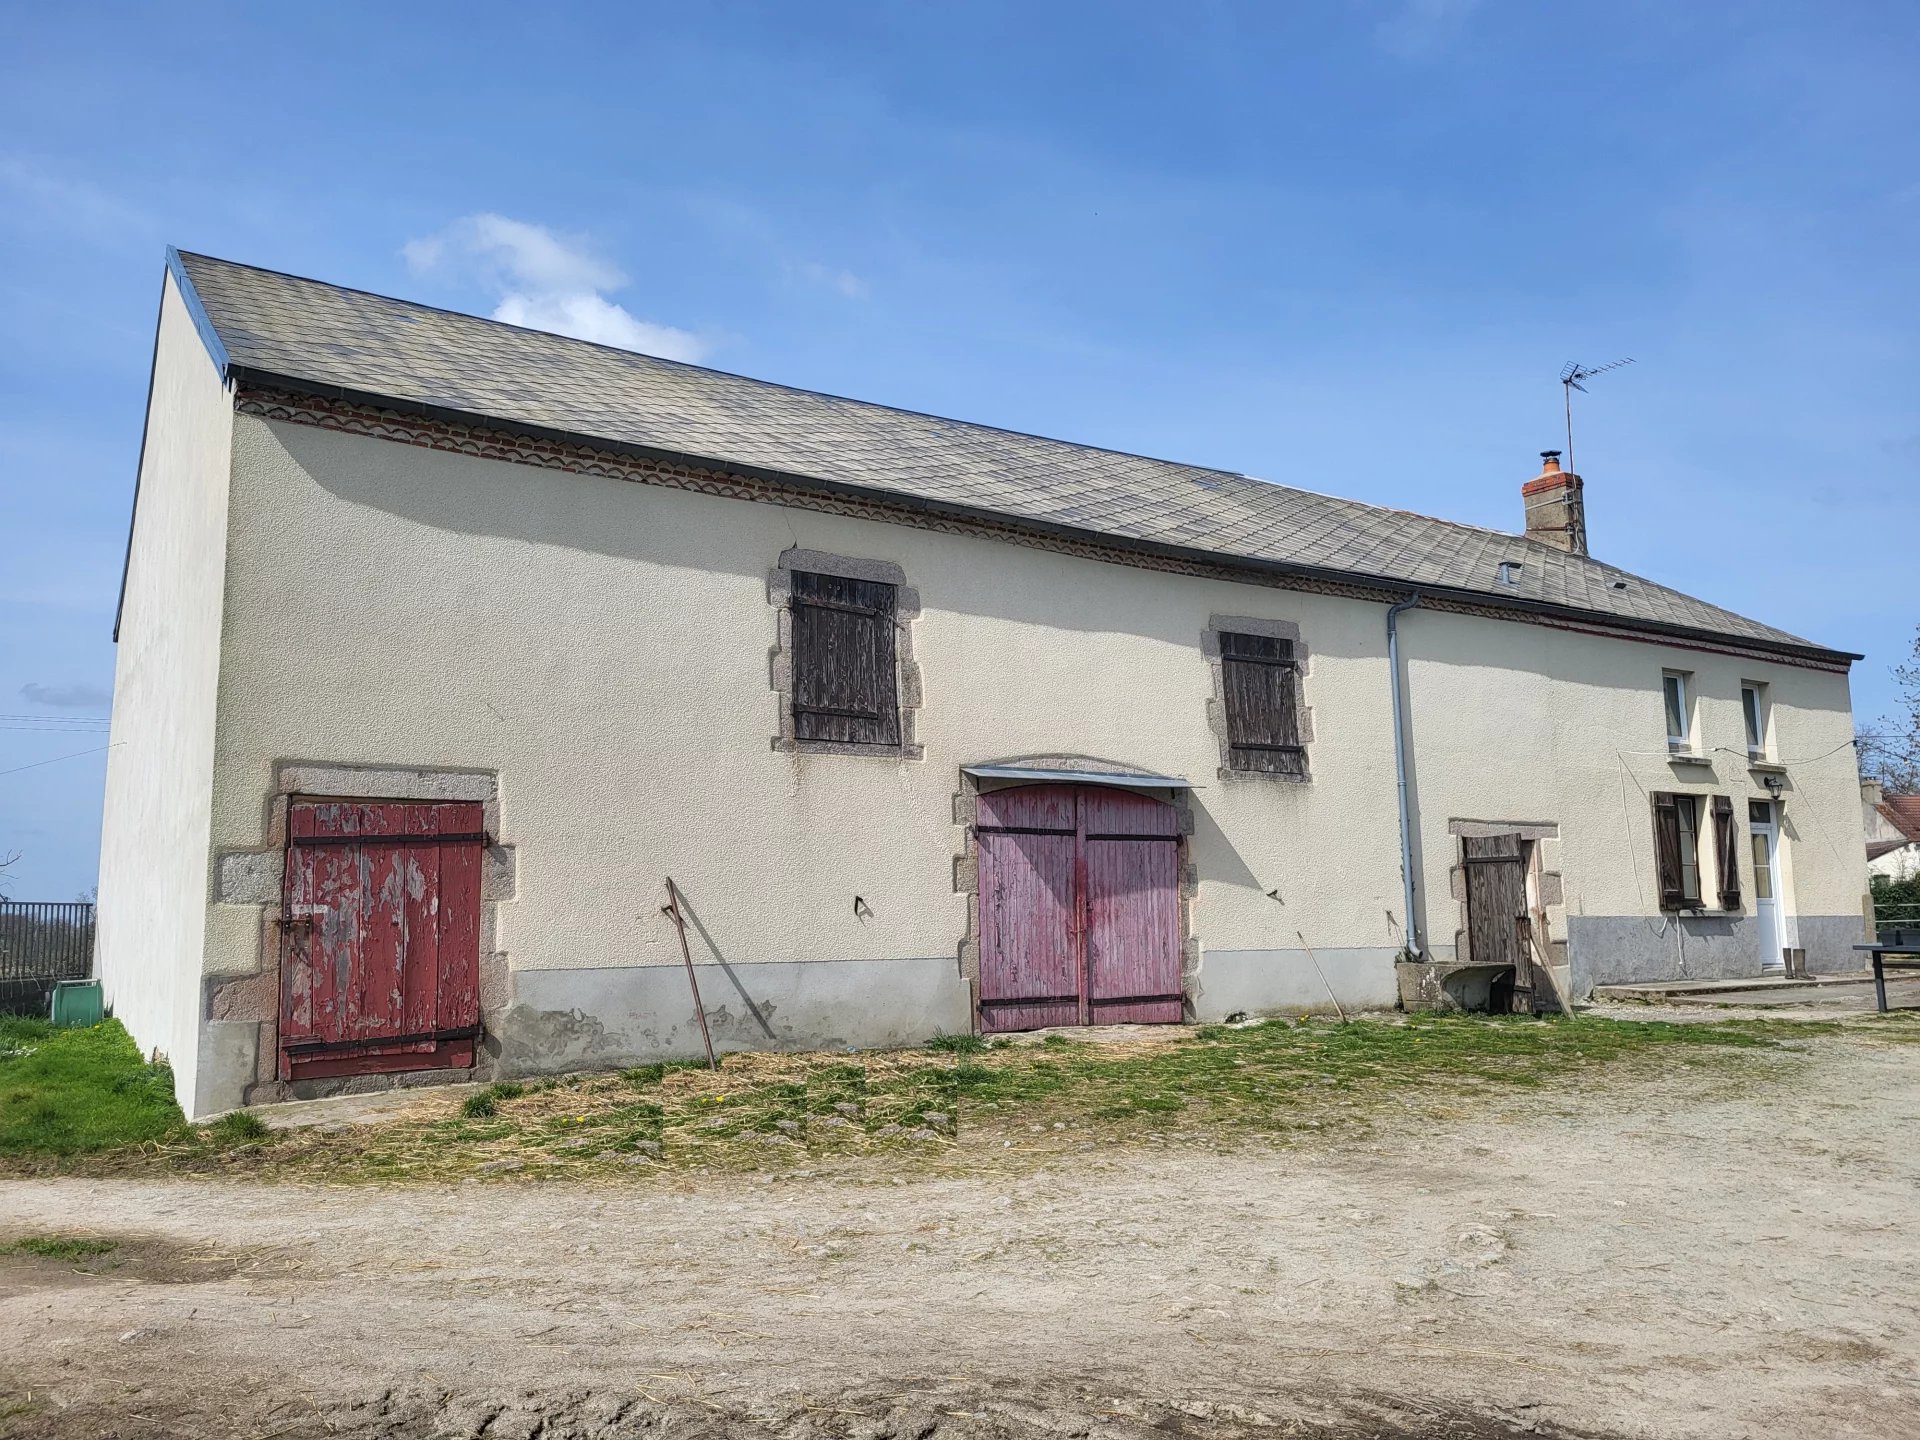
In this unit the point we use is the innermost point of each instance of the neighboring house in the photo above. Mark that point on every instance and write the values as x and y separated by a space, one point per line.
1893 832
443 643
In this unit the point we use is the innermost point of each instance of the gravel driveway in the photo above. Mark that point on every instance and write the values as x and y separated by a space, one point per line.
1688 1255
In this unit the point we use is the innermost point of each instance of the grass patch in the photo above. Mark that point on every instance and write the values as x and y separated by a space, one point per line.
1210 1084
962 1044
1271 1079
238 1127
59 1247
485 1104
72 1091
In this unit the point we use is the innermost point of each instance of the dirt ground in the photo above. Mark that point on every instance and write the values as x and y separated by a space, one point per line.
1702 1254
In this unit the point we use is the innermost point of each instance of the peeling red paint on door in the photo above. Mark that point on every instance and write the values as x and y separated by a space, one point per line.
1079 908
382 917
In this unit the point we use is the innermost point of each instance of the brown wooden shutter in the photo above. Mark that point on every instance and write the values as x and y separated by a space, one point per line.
843 662
1666 850
1726 852
1261 681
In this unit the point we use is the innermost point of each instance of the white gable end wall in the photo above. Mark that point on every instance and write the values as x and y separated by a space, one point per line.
159 788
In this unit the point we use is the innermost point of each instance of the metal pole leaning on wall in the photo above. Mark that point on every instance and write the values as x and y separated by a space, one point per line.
672 907
1323 977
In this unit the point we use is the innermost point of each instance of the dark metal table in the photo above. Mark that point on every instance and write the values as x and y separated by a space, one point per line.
1900 948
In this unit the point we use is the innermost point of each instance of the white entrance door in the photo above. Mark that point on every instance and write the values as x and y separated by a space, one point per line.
1764 832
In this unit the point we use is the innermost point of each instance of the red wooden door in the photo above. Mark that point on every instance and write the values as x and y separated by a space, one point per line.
382 918
1079 908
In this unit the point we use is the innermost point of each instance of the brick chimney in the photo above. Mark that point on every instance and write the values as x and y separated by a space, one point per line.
1556 513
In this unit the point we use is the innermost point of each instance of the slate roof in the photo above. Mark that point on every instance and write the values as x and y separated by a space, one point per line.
316 336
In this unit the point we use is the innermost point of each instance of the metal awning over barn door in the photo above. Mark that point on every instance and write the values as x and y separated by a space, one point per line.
1079 908
1036 775
381 915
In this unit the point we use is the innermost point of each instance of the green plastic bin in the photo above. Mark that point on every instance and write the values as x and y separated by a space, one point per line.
77 1002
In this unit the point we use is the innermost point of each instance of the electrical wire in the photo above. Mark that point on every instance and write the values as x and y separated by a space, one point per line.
1633 860
57 758
1746 754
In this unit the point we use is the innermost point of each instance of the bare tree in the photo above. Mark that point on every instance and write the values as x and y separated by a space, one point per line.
7 861
1890 751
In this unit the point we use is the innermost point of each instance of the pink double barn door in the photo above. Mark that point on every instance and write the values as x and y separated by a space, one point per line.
1079 908
382 918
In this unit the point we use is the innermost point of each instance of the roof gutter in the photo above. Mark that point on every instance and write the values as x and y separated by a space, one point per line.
1415 948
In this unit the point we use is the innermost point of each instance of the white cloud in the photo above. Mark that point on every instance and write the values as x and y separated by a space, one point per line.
547 282
77 696
844 282
1421 29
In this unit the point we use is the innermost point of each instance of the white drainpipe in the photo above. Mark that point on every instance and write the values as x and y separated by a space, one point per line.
1415 948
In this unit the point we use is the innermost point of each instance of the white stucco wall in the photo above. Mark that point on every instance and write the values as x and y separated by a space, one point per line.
159 788
604 648
1526 723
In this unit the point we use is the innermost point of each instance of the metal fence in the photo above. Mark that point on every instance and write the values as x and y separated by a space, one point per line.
42 942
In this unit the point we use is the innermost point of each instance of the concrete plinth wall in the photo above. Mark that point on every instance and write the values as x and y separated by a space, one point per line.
594 1019
1291 981
1630 949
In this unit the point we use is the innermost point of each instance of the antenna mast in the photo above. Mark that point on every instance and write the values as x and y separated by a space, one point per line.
1571 374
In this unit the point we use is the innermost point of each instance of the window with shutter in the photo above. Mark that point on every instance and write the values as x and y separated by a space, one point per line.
1260 678
1676 850
1726 853
844 688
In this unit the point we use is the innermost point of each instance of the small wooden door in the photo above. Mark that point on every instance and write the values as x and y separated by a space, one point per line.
1079 908
381 913
1498 927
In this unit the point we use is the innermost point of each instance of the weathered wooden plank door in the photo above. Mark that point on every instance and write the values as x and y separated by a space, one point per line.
1079 908
1497 921
382 920
1131 846
1029 908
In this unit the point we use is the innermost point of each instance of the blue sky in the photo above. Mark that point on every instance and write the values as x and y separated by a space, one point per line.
1344 245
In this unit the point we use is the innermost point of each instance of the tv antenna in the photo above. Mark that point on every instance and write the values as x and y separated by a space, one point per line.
1571 374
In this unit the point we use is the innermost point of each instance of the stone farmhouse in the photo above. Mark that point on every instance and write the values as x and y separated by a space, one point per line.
444 643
